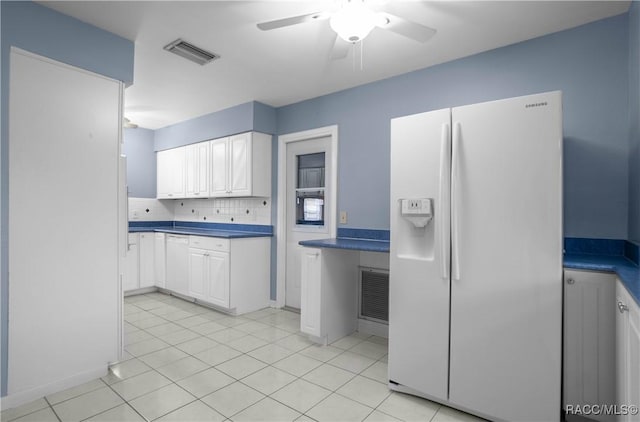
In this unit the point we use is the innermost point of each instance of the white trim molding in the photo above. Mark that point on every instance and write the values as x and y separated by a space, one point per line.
281 232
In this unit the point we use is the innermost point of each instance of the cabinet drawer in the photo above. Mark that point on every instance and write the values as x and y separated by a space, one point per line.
209 243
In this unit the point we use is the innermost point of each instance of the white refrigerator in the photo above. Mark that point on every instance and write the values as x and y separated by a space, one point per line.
475 300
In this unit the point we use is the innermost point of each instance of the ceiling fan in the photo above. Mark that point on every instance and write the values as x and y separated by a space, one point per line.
352 21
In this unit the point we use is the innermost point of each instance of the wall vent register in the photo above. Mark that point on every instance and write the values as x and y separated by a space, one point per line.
374 294
191 52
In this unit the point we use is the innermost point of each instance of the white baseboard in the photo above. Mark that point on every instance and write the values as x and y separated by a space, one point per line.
18 399
140 291
373 328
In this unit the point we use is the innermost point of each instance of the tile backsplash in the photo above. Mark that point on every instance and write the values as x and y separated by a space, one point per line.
150 209
227 210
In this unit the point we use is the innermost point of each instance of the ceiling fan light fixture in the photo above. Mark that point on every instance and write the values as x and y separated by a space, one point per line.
353 21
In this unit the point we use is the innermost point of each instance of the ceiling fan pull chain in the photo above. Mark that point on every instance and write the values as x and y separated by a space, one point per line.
353 57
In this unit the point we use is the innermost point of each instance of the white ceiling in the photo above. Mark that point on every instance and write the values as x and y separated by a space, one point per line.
287 65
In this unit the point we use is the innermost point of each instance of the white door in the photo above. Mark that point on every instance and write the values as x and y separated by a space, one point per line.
419 256
506 279
307 204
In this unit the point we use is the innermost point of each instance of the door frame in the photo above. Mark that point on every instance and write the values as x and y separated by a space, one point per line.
281 233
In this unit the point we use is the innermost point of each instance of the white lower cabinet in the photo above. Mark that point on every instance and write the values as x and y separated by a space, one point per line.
627 352
311 292
146 259
130 275
218 271
329 289
177 264
139 271
232 274
589 340
159 261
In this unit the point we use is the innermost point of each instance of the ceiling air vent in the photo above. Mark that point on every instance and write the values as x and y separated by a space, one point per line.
191 52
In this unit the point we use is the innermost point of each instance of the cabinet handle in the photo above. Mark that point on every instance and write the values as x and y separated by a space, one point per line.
169 194
196 193
622 307
570 281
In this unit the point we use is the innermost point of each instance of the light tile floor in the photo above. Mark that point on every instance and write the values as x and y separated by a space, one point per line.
185 362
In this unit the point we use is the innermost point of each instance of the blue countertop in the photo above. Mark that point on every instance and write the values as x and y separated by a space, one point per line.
227 231
626 270
350 244
606 255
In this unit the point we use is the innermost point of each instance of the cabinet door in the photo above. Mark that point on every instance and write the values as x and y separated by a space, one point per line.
589 339
240 164
219 170
627 351
160 260
218 267
177 264
177 172
622 341
198 272
146 245
130 276
163 174
311 292
197 170
170 173
633 357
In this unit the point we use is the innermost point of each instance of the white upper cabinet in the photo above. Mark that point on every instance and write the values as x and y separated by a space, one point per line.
241 165
218 185
238 165
170 173
197 170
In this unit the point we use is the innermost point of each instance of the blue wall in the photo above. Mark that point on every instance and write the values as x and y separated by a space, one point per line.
141 162
634 122
252 116
40 30
588 63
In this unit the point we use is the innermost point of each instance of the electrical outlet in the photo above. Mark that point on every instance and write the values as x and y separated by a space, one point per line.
343 217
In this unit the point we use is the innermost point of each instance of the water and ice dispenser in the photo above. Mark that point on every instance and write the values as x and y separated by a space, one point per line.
415 228
419 211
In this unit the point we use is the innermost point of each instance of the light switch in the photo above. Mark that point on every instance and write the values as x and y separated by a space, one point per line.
343 217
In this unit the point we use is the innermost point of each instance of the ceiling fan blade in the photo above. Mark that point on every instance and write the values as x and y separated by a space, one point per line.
406 28
340 48
281 23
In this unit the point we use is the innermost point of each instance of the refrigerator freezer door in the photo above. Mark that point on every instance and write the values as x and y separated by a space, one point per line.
506 307
419 283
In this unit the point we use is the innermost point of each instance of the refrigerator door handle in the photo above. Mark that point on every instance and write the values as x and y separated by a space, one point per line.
455 187
445 172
